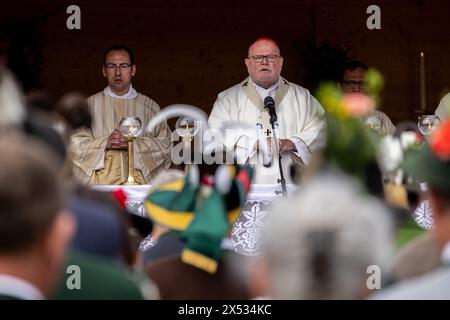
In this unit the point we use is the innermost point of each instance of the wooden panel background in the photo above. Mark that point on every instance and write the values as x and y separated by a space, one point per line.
188 51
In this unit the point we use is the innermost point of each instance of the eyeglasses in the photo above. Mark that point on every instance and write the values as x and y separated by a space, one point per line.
269 58
122 66
352 83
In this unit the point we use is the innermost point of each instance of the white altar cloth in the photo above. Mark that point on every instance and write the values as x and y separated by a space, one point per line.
246 232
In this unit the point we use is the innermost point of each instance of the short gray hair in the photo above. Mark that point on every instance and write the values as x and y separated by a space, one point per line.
320 242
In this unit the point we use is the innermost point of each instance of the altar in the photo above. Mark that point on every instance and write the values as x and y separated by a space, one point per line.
246 232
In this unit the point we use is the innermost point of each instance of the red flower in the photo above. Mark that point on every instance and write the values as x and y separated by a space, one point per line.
440 141
121 197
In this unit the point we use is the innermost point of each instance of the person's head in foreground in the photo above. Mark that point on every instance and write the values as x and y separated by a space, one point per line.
325 242
431 164
34 229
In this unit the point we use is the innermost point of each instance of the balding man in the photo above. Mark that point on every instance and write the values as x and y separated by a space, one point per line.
300 124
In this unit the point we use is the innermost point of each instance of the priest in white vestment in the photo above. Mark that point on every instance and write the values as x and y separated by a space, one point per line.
300 124
443 109
100 155
352 81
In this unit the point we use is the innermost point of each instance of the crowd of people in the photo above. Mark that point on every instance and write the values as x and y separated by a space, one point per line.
334 238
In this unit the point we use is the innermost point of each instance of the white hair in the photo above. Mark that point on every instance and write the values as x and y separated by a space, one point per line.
12 110
320 242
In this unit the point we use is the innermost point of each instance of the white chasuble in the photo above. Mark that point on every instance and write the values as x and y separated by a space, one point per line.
300 119
92 164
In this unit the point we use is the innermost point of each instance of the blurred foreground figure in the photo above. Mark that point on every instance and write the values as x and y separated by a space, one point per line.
34 230
16 117
431 164
321 243
195 257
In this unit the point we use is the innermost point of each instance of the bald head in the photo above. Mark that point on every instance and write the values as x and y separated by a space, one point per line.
266 42
264 62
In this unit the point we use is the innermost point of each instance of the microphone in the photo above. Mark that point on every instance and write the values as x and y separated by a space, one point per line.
269 105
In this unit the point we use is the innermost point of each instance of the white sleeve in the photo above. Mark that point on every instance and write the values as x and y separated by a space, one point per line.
242 141
302 151
443 109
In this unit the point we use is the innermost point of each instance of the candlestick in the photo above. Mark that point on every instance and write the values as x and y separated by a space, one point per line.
422 83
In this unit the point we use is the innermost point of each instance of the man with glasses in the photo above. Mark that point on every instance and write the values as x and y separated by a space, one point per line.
100 155
299 126
352 81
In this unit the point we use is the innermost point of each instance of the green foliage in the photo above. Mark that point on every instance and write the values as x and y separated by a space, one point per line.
329 96
350 145
374 83
350 142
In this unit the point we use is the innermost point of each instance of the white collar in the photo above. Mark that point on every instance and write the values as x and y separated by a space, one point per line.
131 94
263 93
19 288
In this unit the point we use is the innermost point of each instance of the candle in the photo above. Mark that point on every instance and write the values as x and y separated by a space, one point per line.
422 83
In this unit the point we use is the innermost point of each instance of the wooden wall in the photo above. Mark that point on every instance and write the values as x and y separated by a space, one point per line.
188 51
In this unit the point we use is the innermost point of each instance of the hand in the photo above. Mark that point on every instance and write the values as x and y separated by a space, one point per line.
117 141
287 145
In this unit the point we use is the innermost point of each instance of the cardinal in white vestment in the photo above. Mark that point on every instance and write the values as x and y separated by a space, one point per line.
300 126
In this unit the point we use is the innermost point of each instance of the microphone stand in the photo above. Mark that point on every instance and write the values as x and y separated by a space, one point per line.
273 119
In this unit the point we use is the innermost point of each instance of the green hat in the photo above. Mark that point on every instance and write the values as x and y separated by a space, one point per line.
205 211
172 204
431 163
204 235
218 208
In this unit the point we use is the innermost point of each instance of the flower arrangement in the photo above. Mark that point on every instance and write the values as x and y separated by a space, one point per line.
350 142
440 141
392 150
